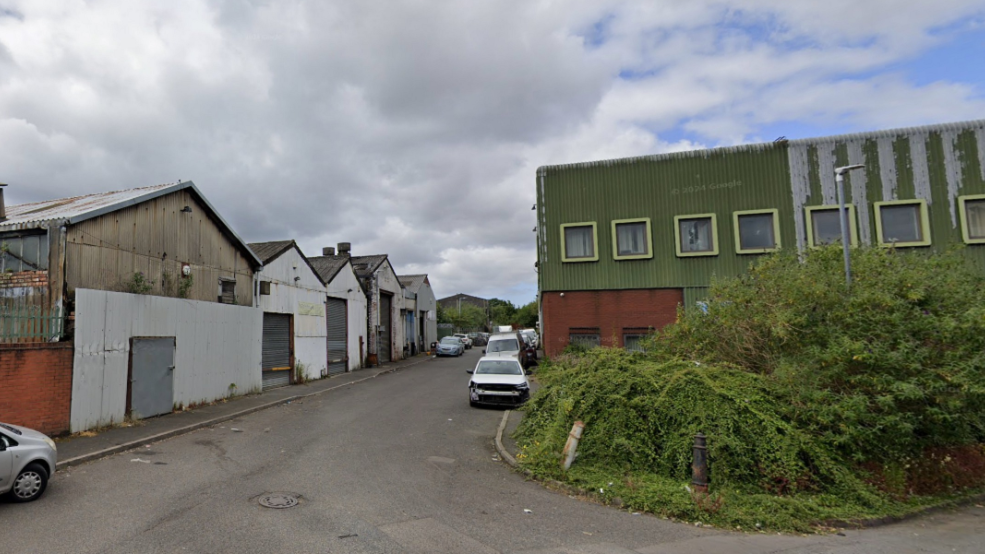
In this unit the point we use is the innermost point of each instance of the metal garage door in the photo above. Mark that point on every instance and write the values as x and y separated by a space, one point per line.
384 345
337 341
276 350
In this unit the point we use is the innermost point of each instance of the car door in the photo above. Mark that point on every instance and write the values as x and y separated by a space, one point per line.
6 463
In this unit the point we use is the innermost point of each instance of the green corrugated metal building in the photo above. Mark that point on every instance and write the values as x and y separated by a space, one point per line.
611 232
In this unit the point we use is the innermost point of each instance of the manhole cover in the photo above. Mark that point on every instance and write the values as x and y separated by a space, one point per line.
279 500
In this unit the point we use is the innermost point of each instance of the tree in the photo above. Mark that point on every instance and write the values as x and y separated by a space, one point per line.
502 312
442 315
528 315
467 318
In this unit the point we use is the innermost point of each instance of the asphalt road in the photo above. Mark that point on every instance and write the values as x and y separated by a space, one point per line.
395 464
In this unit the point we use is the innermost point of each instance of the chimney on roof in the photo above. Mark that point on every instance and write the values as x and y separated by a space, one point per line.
344 248
3 210
328 251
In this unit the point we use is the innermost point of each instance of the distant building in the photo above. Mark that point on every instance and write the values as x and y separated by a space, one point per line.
421 319
457 301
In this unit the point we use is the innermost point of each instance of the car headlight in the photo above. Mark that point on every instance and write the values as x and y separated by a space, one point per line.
50 443
523 386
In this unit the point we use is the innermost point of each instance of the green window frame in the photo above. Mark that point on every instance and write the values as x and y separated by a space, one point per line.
965 216
615 240
714 235
737 217
924 219
852 222
595 243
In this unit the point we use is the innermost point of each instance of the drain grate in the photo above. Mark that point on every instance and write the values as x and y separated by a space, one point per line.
279 500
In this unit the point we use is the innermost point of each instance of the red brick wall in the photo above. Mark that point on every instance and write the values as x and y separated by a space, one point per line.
24 279
609 310
36 386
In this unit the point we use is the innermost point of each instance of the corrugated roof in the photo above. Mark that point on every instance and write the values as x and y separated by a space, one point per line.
267 251
412 282
73 207
708 152
328 266
366 265
77 209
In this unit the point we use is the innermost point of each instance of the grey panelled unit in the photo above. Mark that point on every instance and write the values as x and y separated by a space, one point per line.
152 377
335 311
276 367
385 331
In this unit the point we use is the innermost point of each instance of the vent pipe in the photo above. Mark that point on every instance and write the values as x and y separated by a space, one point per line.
328 251
344 248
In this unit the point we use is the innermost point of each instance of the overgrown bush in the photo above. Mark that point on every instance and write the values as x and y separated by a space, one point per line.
817 401
882 372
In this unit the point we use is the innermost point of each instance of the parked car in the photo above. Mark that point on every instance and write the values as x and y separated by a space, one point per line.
529 354
531 336
505 345
450 346
27 461
480 339
465 340
499 382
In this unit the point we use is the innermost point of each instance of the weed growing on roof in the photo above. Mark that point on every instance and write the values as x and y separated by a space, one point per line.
818 403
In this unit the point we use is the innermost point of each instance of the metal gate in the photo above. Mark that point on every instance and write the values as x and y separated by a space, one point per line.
152 377
383 348
276 350
335 311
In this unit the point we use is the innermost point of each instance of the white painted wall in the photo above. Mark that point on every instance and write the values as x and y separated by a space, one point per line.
345 285
286 297
216 346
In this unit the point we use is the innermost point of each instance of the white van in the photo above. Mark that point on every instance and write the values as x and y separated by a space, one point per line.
505 345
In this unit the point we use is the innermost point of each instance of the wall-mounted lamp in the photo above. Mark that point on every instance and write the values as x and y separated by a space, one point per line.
350 290
296 279
562 295
186 210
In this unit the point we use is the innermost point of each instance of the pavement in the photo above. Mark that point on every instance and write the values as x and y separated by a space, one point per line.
86 447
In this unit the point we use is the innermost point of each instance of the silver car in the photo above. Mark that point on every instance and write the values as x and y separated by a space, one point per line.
27 461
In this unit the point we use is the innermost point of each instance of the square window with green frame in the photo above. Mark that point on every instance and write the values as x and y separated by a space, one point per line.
631 239
972 211
696 235
756 231
902 223
579 242
824 225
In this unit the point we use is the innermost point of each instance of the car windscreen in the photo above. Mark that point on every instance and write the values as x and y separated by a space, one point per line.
505 345
499 367
451 340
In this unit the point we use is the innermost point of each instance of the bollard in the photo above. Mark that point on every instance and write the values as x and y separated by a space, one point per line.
699 466
571 447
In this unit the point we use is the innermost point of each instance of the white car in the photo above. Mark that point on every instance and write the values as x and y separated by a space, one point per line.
498 382
465 340
27 461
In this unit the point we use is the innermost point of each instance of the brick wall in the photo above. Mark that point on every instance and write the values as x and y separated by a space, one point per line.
611 311
24 280
36 386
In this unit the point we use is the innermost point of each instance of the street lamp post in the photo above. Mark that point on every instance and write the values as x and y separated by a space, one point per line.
843 217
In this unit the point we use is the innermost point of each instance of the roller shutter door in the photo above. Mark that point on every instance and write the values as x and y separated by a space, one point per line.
276 350
337 341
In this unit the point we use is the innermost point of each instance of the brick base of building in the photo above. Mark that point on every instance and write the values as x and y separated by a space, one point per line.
612 313
36 386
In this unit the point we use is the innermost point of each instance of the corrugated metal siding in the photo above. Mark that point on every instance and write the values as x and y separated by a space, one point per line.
155 238
934 163
216 346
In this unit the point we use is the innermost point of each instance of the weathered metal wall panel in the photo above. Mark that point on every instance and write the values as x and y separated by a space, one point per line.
155 238
305 298
217 350
345 285
937 163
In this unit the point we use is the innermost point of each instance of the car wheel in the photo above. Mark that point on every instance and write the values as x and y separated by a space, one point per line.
473 404
29 483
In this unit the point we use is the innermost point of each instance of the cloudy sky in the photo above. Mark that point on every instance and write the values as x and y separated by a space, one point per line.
415 127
